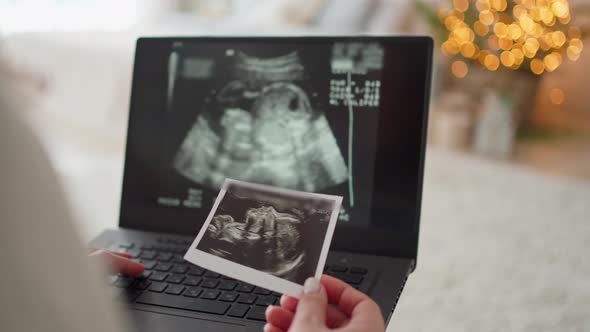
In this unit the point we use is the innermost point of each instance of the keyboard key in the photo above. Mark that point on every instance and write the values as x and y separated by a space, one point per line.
338 268
176 250
148 264
164 257
337 275
228 297
209 283
163 267
134 253
228 285
141 284
196 271
245 288
160 248
145 274
256 313
175 278
125 244
192 281
277 299
179 250
247 298
146 247
147 255
262 291
175 289
158 287
129 295
265 300
178 241
178 258
352 279
159 276
166 248
192 292
210 294
211 274
358 270
180 269
238 310
186 303
123 282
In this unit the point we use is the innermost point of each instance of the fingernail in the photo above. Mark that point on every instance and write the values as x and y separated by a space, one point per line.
311 286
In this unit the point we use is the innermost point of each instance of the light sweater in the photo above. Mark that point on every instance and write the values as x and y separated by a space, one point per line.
47 282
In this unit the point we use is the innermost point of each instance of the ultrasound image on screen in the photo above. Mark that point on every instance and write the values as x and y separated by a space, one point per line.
266 131
300 117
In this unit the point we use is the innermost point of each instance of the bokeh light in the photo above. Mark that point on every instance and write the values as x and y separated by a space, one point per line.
556 96
516 34
459 69
537 66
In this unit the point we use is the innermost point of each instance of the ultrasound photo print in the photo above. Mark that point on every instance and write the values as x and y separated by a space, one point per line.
277 233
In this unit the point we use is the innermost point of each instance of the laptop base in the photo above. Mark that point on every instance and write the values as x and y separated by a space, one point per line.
382 278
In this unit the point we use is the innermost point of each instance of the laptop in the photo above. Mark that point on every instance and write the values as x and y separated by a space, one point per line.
336 115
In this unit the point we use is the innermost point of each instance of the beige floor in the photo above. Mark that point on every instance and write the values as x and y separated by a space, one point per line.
565 156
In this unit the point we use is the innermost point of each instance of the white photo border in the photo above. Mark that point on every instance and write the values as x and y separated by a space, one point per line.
248 274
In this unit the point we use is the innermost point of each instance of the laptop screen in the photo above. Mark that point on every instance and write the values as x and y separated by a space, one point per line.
332 116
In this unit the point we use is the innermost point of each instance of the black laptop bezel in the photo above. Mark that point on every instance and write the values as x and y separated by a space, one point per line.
352 239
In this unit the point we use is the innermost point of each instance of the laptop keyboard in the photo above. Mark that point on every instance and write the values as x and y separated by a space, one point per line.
170 281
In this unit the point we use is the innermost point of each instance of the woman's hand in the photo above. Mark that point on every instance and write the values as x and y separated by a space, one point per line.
325 305
118 262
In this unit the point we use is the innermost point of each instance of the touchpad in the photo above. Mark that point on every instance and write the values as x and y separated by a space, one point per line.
147 321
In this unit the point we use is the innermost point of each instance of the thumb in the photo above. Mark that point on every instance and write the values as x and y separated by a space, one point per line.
310 314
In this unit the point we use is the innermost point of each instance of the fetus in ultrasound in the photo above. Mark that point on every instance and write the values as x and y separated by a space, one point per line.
262 128
266 239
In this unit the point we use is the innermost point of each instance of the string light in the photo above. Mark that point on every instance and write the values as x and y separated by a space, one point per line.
459 69
515 34
556 96
537 66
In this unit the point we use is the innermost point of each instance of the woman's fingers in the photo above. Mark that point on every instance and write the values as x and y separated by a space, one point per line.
289 302
334 317
312 307
361 309
271 328
367 316
122 254
94 251
341 294
119 263
279 317
348 303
